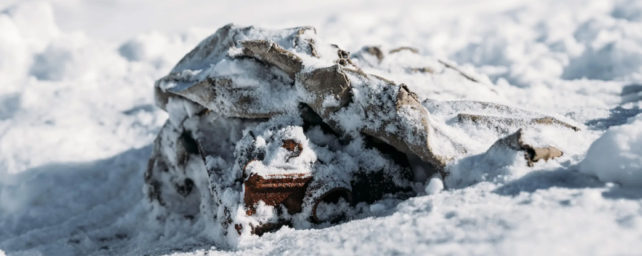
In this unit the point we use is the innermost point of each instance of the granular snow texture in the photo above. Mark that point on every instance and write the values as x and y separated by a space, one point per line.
77 119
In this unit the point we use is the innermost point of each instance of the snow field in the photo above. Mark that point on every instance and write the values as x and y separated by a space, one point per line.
77 119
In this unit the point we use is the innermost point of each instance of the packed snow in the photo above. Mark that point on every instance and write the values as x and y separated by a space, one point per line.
77 122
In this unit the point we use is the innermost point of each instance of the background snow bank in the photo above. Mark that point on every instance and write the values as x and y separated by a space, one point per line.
617 155
25 28
77 88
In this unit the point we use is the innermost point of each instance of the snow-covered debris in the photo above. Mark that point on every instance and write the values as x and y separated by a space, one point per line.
313 125
617 155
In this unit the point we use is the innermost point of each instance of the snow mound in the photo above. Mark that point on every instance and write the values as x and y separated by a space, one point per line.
617 155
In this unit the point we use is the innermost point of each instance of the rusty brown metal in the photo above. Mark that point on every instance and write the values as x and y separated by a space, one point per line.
287 190
294 147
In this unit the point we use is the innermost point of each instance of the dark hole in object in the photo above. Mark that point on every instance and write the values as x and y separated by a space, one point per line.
370 187
189 143
186 188
310 119
530 153
269 227
332 197
309 116
389 151
260 155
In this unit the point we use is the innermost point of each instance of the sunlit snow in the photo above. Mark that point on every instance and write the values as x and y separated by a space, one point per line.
77 119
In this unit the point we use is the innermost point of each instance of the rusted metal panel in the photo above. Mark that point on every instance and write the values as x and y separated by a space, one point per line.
287 190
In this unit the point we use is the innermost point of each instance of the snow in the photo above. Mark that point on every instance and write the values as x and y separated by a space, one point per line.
77 119
617 155
278 160
435 185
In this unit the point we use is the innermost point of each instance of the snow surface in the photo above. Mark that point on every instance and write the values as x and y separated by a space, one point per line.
617 155
77 120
